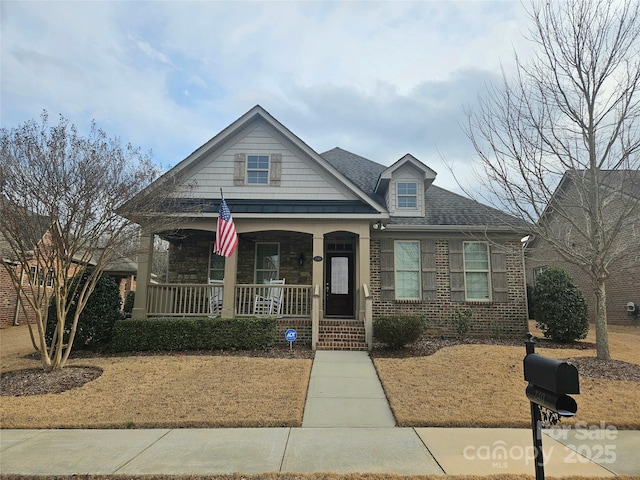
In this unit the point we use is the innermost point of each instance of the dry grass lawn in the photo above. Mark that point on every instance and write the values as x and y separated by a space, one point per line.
483 386
466 385
163 391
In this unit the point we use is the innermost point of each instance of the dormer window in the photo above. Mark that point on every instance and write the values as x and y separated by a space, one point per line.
258 169
407 195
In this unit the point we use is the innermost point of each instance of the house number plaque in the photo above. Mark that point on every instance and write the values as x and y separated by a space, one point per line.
317 258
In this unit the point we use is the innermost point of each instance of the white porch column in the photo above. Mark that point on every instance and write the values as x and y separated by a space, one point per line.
363 277
317 279
229 292
145 258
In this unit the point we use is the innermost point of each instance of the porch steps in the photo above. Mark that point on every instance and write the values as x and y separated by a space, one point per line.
341 335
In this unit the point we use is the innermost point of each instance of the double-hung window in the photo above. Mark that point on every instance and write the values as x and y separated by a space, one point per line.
216 266
407 195
267 262
477 278
407 269
258 169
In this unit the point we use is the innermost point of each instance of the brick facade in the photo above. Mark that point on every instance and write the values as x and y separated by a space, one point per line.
11 312
489 319
188 264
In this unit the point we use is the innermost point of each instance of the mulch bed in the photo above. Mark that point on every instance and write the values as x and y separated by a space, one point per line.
22 383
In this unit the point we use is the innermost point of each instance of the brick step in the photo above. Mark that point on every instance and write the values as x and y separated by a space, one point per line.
352 346
341 335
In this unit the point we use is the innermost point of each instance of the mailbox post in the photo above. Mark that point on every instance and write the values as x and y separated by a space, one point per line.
550 382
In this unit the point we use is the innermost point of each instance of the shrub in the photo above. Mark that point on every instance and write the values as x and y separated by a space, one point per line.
462 317
558 307
96 321
396 332
155 334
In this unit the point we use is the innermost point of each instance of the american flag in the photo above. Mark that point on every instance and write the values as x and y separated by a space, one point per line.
226 236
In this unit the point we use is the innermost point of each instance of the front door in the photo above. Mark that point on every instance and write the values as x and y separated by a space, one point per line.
339 286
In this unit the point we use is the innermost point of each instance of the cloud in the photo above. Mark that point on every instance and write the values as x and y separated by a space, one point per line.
378 78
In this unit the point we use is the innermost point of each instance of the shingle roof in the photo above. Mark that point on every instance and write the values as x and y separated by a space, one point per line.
443 208
361 171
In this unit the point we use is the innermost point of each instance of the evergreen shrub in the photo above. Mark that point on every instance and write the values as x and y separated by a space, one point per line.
96 321
559 307
396 332
158 334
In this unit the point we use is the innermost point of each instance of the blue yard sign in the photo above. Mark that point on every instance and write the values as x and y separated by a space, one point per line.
291 336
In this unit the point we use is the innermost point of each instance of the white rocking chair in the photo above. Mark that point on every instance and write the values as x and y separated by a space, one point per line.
271 303
215 298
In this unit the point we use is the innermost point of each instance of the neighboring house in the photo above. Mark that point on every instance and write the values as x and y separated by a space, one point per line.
121 269
620 192
351 239
11 312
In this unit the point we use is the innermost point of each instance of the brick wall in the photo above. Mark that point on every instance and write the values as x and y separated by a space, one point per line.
8 303
301 326
489 319
189 263
7 300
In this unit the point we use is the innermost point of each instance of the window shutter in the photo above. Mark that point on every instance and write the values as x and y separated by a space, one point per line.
275 169
387 276
428 252
239 168
499 274
456 270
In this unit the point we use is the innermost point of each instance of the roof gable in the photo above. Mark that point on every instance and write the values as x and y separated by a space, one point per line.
427 174
305 173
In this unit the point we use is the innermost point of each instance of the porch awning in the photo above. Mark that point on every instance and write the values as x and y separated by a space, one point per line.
301 207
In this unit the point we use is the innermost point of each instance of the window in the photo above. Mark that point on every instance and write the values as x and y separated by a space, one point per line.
258 169
476 271
38 277
407 270
407 194
267 262
537 271
216 265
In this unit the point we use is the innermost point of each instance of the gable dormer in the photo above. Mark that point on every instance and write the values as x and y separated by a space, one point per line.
403 185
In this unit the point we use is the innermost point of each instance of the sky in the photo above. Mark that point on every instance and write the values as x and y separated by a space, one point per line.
379 79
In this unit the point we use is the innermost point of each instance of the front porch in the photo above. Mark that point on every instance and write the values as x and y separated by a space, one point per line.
297 308
317 278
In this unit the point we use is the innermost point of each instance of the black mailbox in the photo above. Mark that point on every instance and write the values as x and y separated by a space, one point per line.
550 374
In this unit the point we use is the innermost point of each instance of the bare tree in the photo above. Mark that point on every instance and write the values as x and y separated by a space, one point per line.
59 199
558 143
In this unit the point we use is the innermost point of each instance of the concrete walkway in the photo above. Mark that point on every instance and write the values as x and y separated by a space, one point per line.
347 428
344 391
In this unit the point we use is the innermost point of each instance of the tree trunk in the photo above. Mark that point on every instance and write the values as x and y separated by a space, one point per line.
602 337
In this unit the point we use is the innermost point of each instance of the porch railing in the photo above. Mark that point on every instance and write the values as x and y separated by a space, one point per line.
197 300
289 300
184 300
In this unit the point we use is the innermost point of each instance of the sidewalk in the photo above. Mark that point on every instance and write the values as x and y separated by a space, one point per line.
347 428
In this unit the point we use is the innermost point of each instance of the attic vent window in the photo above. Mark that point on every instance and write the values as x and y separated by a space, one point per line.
257 169
407 195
